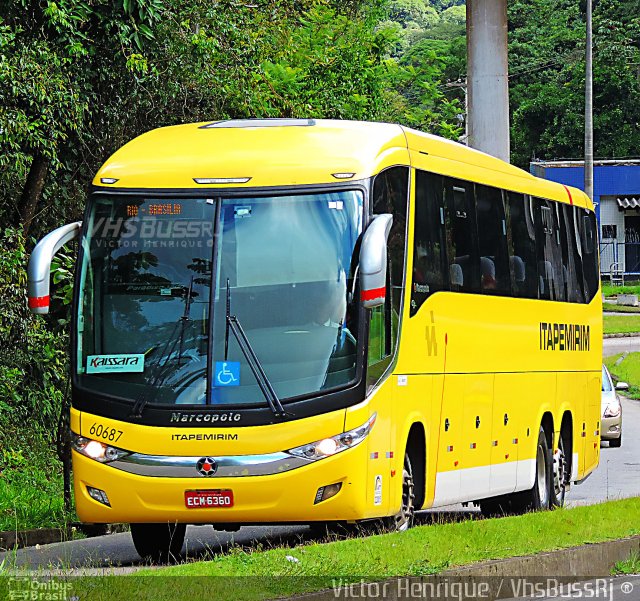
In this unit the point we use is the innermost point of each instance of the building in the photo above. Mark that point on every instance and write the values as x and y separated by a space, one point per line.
616 195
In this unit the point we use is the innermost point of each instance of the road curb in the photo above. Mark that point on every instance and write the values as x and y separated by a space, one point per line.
11 539
623 335
574 564
30 538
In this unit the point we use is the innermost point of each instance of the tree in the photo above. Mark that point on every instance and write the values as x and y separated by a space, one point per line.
39 107
546 56
108 71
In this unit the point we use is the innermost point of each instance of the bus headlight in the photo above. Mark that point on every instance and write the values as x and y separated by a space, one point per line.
335 444
94 449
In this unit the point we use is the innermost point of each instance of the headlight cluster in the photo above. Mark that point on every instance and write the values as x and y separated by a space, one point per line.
335 444
612 410
97 450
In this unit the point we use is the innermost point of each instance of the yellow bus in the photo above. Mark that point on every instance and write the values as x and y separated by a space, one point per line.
313 322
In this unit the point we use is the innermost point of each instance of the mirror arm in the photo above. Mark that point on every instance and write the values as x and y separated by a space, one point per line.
39 269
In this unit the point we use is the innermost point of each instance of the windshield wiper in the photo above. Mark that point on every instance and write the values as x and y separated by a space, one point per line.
158 376
233 324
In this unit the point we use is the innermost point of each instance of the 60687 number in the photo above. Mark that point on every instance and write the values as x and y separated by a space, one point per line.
100 431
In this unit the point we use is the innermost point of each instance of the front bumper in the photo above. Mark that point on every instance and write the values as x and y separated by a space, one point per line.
283 497
611 428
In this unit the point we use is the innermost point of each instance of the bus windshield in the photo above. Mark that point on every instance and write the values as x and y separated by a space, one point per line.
156 286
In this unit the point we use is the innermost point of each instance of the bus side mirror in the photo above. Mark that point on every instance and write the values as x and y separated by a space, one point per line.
373 262
39 268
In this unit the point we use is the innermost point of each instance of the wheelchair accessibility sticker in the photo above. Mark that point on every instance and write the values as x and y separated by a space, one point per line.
227 373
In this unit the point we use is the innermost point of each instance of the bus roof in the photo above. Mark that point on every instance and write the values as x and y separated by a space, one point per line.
294 152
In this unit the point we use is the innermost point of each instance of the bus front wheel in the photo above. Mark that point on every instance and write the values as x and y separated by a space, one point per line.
403 520
159 543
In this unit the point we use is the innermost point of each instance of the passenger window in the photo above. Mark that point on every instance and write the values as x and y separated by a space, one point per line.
551 272
460 223
495 276
571 256
430 268
521 243
589 254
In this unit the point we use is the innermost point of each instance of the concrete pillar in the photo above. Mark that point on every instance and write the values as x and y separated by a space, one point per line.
487 77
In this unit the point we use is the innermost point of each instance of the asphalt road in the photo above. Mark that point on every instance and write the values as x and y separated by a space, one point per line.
618 474
613 346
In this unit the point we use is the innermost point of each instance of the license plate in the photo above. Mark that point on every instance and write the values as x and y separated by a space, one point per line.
208 499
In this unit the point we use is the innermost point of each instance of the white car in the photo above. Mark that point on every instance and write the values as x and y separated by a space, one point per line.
611 410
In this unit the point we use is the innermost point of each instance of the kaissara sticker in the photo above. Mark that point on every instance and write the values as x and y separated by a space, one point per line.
103 364
377 491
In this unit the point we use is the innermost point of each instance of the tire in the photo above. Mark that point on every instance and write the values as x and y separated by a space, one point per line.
539 497
616 442
559 476
403 520
159 543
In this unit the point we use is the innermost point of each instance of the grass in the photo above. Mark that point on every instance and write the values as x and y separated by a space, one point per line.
30 483
627 370
425 550
609 290
621 324
628 566
619 308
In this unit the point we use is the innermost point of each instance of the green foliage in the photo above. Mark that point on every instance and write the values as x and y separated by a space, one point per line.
631 565
39 102
33 358
30 482
422 103
442 5
546 52
455 14
413 13
626 368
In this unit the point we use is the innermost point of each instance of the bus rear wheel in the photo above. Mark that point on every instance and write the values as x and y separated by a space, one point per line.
560 476
159 543
539 497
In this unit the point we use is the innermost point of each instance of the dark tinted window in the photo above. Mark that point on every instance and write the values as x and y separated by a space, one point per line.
475 238
522 245
430 267
495 277
571 255
589 253
551 271
460 223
